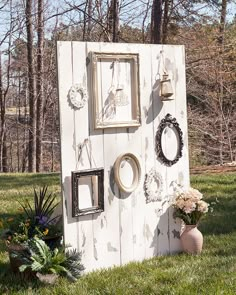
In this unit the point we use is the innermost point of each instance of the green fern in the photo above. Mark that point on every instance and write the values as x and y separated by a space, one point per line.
73 264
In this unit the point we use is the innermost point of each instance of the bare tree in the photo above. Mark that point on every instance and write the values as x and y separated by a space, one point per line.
40 88
31 87
156 22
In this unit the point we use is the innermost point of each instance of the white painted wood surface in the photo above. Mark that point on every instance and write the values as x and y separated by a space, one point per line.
130 228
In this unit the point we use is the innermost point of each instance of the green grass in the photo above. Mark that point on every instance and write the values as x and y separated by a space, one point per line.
212 272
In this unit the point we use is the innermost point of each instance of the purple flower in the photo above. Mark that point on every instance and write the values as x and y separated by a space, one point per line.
43 220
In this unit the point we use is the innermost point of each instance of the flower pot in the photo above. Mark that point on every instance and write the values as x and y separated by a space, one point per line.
191 239
47 278
15 262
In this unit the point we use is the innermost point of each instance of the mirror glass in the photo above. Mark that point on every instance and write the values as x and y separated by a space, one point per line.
170 142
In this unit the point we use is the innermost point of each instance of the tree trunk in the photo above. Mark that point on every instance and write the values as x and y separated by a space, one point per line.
165 21
90 6
222 22
156 22
115 27
3 144
40 90
31 88
2 114
221 81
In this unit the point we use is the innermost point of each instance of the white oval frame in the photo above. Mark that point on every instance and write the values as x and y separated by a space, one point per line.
78 103
151 176
137 172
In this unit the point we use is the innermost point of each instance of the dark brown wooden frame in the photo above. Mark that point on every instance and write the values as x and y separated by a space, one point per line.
75 176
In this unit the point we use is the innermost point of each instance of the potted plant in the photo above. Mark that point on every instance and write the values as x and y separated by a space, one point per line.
33 221
40 217
190 208
13 230
48 264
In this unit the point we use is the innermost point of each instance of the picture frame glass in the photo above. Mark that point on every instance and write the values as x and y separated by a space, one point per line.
116 90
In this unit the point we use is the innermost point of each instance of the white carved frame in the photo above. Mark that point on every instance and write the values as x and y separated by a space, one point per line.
153 176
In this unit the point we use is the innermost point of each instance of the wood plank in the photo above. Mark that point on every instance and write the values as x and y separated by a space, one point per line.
65 80
182 176
172 171
83 153
143 233
105 225
159 112
122 201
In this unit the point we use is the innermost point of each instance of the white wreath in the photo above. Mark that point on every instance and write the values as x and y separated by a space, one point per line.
78 96
153 186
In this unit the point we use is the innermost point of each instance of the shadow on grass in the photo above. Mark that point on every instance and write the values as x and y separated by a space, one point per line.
11 282
17 181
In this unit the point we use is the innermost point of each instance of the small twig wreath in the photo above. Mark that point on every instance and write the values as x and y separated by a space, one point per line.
153 186
78 96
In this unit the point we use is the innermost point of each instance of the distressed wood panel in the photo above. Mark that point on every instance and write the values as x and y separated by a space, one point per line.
182 166
65 80
106 242
160 109
130 228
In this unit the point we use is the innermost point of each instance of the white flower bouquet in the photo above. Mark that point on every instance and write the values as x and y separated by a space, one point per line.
189 206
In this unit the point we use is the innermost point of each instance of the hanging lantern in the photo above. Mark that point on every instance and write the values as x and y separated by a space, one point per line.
166 88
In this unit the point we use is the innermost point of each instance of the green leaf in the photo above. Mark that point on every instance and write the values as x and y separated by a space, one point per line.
23 267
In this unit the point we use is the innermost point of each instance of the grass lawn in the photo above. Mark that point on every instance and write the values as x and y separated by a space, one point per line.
212 272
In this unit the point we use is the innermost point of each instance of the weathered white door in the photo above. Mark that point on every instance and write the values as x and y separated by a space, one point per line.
136 225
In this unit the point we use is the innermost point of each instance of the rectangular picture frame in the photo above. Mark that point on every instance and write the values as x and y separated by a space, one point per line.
76 176
115 89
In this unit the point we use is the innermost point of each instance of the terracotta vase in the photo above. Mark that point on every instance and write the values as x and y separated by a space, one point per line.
191 239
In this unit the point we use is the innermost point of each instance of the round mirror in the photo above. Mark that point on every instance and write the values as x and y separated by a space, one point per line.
127 172
169 141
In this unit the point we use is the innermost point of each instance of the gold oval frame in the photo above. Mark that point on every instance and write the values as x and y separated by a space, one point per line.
137 172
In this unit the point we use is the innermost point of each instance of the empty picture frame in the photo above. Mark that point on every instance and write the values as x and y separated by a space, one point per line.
115 80
87 192
127 172
169 141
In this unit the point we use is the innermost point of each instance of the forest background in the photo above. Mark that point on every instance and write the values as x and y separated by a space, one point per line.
29 29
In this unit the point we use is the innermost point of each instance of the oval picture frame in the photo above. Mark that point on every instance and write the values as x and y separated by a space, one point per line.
136 167
78 96
171 122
